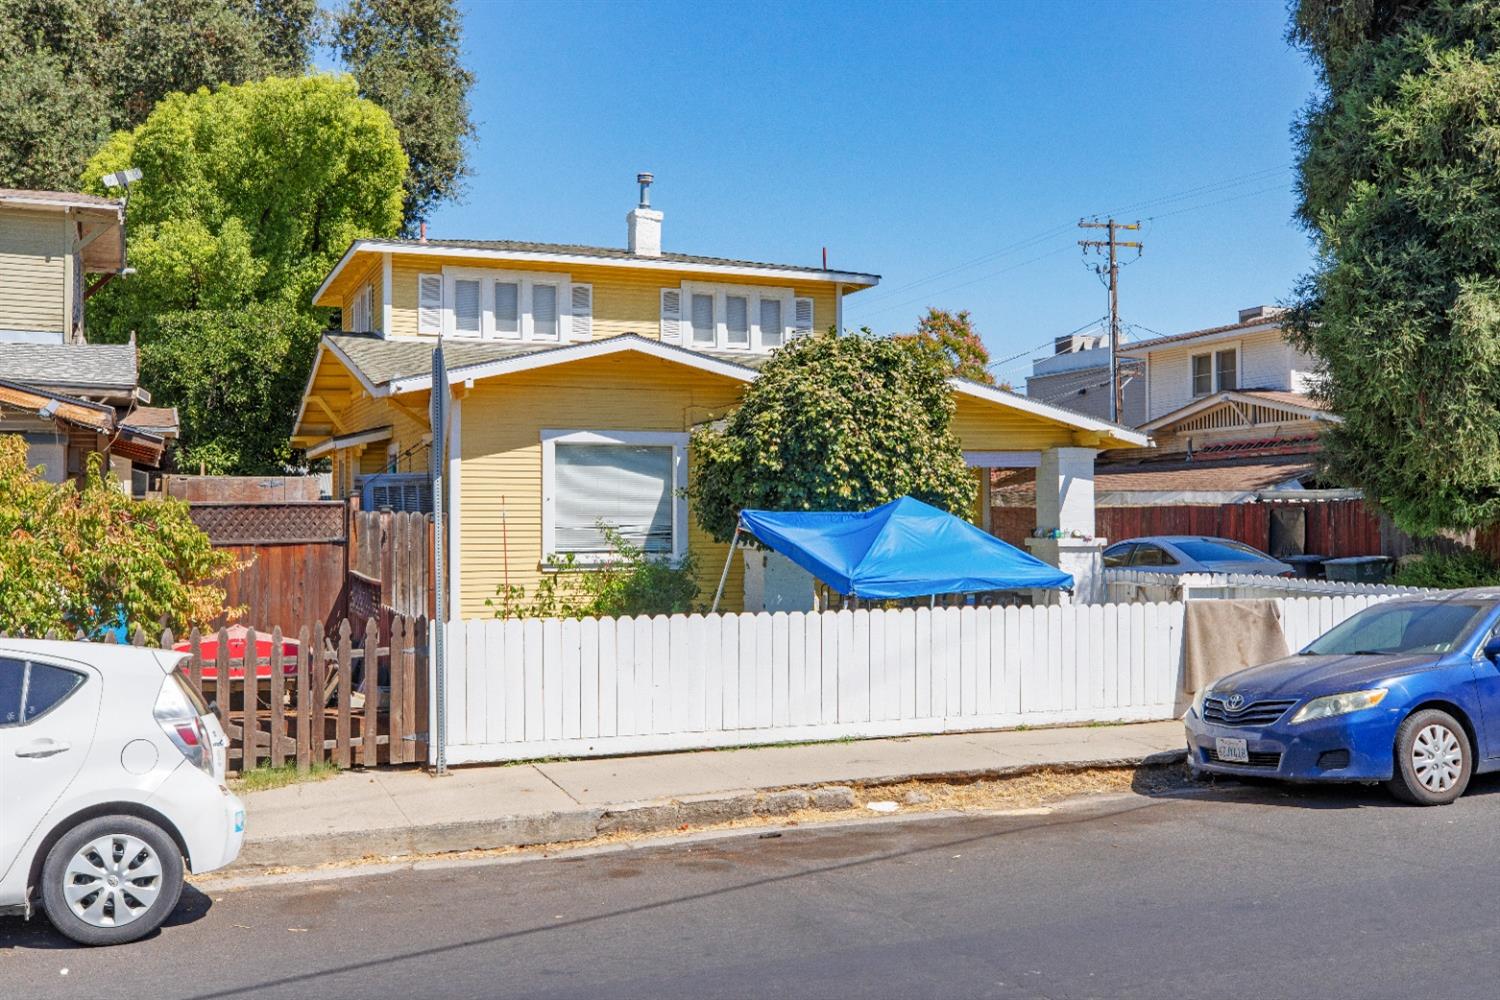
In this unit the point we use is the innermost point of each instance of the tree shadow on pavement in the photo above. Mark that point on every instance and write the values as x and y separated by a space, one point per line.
37 933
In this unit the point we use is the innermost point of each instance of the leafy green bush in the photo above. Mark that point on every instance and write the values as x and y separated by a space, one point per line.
75 556
1448 572
629 583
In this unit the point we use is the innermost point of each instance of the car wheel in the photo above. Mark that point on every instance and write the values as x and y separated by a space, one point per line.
111 880
1433 759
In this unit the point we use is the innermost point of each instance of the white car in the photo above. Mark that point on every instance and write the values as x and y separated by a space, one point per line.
1177 554
111 778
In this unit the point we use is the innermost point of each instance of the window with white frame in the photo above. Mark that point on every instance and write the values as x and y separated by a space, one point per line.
362 309
734 317
504 305
629 480
1215 371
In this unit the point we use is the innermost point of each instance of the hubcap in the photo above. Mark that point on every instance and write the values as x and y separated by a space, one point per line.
112 881
1437 757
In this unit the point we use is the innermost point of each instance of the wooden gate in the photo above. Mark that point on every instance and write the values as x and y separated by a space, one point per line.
327 699
390 565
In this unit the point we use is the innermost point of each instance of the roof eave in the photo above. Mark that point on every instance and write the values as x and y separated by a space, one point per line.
791 273
1123 436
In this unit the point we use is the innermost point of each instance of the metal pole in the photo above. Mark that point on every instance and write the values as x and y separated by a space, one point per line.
725 575
436 455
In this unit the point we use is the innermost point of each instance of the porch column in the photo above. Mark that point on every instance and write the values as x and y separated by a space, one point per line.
1065 507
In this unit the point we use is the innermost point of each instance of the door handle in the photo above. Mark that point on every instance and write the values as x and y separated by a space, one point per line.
42 748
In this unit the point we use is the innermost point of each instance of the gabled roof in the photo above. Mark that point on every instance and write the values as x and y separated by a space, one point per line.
373 361
546 357
579 254
79 367
1294 404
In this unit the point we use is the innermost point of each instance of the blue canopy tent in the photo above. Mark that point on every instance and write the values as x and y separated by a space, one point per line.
904 548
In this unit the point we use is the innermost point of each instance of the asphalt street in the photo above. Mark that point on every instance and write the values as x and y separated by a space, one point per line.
1236 892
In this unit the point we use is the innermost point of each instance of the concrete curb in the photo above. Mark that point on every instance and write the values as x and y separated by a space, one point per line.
585 823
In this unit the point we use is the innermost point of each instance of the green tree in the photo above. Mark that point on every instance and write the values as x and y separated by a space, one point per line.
75 556
405 55
73 71
952 337
249 195
235 376
834 423
1400 189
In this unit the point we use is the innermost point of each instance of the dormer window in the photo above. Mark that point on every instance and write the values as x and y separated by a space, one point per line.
733 317
504 305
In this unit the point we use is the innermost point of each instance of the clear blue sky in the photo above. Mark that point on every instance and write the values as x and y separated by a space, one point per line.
910 139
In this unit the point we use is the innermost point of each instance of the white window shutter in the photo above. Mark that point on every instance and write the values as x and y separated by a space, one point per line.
583 312
803 317
430 303
671 315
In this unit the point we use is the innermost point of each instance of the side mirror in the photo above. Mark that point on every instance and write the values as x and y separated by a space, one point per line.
1492 648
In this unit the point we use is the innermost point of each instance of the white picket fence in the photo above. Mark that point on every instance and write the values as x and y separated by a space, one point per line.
523 689
1139 586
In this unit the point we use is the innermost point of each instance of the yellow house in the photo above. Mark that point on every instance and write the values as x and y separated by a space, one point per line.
577 374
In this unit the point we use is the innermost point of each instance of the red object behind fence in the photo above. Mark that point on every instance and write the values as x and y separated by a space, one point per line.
239 637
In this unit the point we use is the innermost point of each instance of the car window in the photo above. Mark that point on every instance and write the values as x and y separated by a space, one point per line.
1152 555
1118 555
1427 627
12 680
46 686
1217 550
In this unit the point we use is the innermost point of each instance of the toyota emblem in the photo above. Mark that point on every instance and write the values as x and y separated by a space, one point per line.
1234 702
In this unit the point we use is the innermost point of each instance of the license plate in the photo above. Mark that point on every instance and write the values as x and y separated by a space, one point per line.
1231 751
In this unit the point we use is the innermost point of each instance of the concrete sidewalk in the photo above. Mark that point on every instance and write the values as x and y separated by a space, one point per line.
378 813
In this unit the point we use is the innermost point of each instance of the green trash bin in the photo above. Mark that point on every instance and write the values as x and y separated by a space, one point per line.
1358 569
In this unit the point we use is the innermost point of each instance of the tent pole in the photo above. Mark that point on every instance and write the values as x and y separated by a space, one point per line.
724 576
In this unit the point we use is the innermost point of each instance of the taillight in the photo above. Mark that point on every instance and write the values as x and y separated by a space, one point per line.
179 719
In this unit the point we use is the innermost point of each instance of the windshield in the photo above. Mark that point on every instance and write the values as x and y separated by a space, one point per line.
1217 550
1400 628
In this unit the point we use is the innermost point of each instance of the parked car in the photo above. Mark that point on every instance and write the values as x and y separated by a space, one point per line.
1406 692
111 782
1178 554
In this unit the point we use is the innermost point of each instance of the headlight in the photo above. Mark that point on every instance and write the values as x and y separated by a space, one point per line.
1338 704
1197 707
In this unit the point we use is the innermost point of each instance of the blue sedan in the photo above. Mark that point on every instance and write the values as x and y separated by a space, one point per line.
1406 692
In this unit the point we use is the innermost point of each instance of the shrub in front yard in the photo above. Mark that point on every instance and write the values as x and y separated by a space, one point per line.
629 583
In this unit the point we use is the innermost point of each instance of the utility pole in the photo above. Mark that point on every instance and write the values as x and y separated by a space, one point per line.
1112 245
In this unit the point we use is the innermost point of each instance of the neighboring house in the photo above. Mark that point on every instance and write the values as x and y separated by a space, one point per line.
69 398
1232 426
1076 375
1228 410
577 374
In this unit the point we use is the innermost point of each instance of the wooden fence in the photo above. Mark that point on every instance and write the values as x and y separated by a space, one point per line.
521 689
293 566
331 699
390 564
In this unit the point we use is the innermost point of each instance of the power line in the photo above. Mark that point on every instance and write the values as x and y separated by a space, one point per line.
1027 242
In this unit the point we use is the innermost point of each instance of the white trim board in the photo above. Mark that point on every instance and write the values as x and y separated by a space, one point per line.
342 441
1003 459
